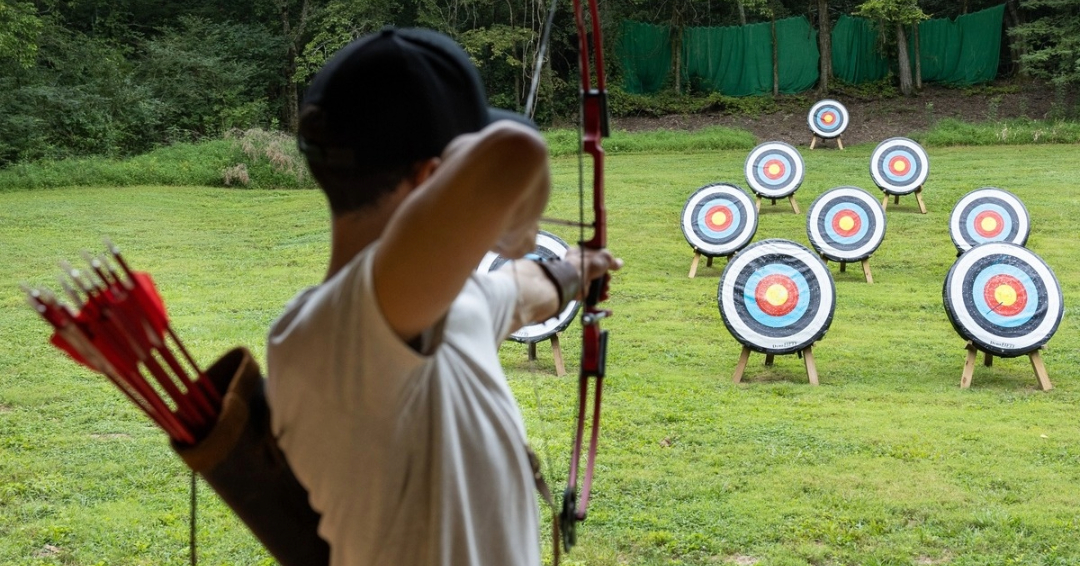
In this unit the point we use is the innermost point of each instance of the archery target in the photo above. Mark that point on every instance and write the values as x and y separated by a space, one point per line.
899 166
548 246
719 219
986 215
845 224
1003 298
776 297
827 119
774 170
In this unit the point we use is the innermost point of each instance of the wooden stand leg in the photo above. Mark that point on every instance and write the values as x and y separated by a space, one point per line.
866 271
811 367
769 359
813 141
918 197
556 354
988 359
969 366
843 266
885 203
532 351
708 263
693 264
757 205
741 366
840 142
794 205
896 199
1040 371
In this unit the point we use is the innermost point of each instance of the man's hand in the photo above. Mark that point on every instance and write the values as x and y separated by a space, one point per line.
596 264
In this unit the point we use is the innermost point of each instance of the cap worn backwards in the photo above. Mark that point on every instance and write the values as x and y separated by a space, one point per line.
395 96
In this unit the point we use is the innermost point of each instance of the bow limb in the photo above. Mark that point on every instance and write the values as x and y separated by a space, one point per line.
594 125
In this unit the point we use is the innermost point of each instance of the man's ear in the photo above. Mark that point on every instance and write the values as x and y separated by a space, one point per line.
424 169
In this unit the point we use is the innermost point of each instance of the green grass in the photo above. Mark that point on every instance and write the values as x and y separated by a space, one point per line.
888 462
952 132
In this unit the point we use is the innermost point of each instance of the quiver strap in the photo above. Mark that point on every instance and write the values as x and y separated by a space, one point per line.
241 461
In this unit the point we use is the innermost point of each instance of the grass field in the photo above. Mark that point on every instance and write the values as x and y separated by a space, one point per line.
888 462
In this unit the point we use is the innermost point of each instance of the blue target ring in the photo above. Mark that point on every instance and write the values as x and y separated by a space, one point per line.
990 312
798 310
975 219
840 212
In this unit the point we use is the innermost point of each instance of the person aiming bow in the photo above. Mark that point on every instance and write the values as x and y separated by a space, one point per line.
386 392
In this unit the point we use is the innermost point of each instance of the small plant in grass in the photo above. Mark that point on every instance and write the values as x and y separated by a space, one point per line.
277 149
236 175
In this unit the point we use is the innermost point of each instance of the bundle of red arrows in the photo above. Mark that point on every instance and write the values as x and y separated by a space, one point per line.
116 325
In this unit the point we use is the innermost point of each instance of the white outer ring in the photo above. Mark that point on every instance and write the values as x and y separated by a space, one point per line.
541 330
1023 218
1041 334
744 237
822 134
826 304
797 173
884 183
817 239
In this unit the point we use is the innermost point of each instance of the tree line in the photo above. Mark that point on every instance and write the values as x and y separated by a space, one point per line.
120 77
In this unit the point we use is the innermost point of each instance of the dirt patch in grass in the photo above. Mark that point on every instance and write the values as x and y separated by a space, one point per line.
873 119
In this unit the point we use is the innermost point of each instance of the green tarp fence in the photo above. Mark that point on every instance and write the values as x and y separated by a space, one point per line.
645 53
738 61
963 51
856 57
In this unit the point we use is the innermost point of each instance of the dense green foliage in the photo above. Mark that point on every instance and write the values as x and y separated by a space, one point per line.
121 77
887 463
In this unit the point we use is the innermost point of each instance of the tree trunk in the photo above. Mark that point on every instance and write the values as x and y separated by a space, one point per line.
775 59
1016 47
824 47
291 110
918 57
905 63
742 12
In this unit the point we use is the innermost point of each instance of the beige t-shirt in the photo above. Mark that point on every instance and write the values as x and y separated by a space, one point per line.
411 458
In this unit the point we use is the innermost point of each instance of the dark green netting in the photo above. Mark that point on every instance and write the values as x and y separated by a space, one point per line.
856 57
962 51
737 61
645 53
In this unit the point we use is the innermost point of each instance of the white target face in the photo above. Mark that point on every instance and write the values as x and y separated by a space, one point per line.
827 119
899 166
776 297
987 215
1004 298
719 220
845 224
548 246
774 170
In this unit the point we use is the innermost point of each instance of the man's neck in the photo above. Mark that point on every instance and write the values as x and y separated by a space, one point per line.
350 233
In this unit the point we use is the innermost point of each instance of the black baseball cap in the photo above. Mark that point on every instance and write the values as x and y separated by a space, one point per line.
396 96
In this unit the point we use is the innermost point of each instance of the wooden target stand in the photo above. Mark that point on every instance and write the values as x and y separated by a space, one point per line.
896 200
791 199
806 354
708 261
816 138
865 268
988 360
556 353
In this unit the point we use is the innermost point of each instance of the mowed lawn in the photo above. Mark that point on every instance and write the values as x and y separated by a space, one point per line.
888 462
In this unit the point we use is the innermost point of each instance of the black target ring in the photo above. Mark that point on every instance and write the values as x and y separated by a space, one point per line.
827 119
548 246
989 214
899 166
845 224
774 169
1003 298
776 297
719 220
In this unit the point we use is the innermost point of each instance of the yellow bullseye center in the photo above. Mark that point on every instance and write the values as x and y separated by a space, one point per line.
899 166
988 224
847 223
776 295
774 169
828 118
719 218
1005 295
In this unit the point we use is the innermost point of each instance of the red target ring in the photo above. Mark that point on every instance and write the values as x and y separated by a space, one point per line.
847 223
774 169
719 218
988 224
899 165
828 118
776 295
1005 294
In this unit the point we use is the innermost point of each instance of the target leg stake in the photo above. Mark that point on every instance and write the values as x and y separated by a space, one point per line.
811 367
768 359
896 199
794 205
741 366
813 141
693 265
708 263
843 266
1040 371
918 198
840 142
988 359
532 351
969 366
885 203
556 354
866 271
